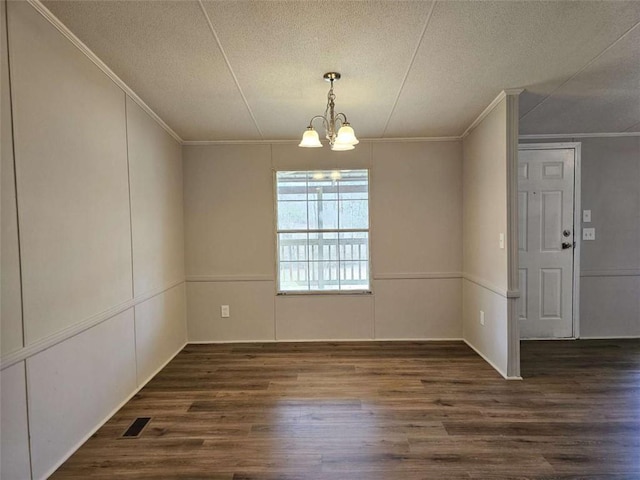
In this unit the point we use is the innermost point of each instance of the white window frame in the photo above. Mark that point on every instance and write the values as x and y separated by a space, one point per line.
337 231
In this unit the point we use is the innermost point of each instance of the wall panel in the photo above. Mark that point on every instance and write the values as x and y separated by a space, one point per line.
324 317
610 306
611 190
251 305
75 385
490 339
418 308
14 431
416 207
485 198
10 295
229 217
155 166
71 161
161 329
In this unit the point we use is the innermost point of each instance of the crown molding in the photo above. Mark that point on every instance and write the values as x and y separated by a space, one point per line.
292 142
501 96
62 28
579 135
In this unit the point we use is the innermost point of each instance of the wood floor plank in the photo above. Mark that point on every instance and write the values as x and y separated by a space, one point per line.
378 411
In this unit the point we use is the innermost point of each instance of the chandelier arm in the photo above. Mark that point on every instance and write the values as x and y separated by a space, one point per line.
324 120
343 120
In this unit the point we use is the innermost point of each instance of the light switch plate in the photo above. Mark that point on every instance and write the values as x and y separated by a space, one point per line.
588 234
224 311
501 241
586 216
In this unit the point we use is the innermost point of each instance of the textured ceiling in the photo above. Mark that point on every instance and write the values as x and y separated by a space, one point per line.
242 70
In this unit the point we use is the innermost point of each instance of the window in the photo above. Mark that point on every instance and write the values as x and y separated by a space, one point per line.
323 230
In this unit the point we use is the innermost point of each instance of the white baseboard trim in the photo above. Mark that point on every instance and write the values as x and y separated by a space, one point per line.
614 337
543 339
579 135
486 359
331 340
76 329
111 414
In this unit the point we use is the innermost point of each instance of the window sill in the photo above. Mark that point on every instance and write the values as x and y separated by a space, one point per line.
328 292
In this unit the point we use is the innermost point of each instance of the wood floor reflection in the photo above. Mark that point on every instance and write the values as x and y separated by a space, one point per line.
374 411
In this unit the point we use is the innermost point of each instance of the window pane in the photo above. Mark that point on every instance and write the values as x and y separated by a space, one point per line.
323 215
291 186
354 185
322 187
324 276
354 246
323 247
354 214
354 275
294 276
292 215
293 247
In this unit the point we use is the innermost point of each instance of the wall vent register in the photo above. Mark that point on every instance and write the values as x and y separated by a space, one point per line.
323 231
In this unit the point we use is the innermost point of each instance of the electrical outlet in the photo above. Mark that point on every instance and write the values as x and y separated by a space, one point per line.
586 216
588 234
481 317
224 311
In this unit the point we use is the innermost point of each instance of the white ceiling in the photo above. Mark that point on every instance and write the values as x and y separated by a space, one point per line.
252 70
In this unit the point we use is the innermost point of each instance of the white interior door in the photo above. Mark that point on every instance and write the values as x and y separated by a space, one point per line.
546 241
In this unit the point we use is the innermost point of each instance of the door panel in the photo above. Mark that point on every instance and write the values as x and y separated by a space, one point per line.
545 210
551 221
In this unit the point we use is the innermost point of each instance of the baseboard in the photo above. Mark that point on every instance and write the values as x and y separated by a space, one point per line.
324 340
108 417
486 359
543 339
615 337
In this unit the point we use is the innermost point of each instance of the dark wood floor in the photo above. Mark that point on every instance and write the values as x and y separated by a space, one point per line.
378 411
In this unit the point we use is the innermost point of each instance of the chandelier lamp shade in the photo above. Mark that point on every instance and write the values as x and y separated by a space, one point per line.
337 129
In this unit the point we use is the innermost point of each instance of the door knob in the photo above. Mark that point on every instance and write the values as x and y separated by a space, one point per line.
566 245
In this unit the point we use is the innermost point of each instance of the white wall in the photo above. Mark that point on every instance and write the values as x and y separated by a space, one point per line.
14 432
487 282
100 216
610 265
416 199
11 306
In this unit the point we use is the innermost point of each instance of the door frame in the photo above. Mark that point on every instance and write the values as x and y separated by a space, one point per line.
577 219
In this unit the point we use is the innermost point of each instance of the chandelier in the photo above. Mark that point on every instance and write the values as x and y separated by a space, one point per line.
342 138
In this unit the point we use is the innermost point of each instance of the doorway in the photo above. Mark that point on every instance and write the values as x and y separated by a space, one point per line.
549 240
